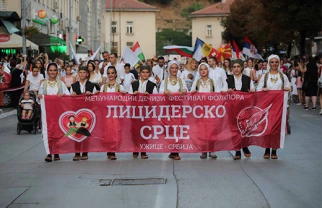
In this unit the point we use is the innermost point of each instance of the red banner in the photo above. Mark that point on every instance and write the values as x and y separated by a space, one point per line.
201 122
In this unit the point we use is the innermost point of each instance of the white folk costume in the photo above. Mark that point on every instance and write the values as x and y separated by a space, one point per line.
112 88
201 86
53 87
270 81
273 81
142 88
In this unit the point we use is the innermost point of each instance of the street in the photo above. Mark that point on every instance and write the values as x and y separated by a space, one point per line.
294 180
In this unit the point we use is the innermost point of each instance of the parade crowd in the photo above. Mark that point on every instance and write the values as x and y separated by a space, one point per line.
301 77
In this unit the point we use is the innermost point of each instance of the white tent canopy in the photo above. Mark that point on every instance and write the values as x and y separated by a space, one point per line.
16 41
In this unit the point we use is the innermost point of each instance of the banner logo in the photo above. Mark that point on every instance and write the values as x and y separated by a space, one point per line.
253 121
77 125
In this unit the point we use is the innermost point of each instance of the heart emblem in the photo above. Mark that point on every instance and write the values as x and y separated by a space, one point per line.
77 125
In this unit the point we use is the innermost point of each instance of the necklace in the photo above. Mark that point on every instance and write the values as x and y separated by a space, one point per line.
52 83
173 82
274 78
205 84
111 86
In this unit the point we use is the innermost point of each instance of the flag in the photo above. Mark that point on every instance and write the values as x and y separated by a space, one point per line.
224 52
203 49
250 50
184 51
94 55
128 56
73 52
235 51
91 51
137 51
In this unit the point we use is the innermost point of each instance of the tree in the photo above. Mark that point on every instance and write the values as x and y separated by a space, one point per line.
171 37
272 22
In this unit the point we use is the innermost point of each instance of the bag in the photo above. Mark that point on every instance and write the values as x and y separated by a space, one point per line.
320 81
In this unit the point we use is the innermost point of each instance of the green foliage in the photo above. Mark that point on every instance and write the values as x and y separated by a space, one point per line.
29 31
192 8
171 37
274 22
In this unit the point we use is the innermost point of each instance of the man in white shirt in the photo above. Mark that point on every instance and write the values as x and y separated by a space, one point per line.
33 80
159 70
118 66
103 64
212 63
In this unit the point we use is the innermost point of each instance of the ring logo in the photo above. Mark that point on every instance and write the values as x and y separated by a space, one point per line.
253 121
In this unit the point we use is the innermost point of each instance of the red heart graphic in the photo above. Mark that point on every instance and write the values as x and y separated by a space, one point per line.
72 122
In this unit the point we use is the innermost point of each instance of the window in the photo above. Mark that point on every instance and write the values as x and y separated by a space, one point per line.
114 47
129 27
114 44
209 30
114 29
129 44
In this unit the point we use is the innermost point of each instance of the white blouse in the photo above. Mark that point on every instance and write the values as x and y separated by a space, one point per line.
247 71
97 78
173 88
239 83
271 85
53 90
111 89
203 87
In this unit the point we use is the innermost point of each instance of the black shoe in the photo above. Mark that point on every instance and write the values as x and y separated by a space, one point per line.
267 154
237 155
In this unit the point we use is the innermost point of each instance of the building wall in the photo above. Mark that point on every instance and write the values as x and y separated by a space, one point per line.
199 29
13 5
144 27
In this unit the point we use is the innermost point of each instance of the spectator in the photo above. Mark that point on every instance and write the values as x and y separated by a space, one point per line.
33 80
310 82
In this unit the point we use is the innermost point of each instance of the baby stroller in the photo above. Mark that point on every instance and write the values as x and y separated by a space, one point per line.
30 124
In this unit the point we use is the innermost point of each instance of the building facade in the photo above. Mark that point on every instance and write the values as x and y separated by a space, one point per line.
92 25
206 23
128 21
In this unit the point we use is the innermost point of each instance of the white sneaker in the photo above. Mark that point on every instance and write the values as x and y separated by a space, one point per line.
321 111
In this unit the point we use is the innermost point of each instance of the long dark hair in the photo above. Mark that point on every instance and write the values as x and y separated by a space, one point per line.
42 68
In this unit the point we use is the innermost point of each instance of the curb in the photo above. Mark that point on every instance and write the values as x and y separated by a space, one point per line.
7 114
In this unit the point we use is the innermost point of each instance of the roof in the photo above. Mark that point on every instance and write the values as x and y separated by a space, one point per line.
43 40
9 15
218 9
129 5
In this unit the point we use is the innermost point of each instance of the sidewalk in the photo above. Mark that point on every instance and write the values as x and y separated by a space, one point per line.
5 112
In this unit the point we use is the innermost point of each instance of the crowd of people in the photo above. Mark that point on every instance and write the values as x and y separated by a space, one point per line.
302 77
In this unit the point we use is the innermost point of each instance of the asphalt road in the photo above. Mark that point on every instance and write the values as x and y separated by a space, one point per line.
294 180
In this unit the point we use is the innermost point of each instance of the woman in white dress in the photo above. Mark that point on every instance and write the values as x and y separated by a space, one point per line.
249 71
203 84
173 84
274 79
190 72
112 86
52 86
94 77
